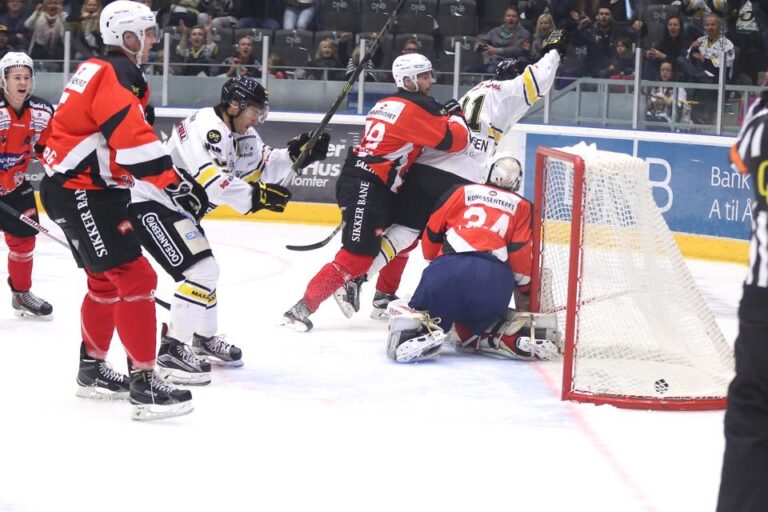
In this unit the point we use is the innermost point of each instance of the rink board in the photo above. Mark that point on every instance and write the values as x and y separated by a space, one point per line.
705 203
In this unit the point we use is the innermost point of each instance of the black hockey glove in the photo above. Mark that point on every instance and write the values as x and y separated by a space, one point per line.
452 108
297 145
557 40
188 194
270 196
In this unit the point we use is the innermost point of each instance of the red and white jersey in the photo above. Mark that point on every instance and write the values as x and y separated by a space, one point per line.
491 108
20 136
99 138
480 218
399 127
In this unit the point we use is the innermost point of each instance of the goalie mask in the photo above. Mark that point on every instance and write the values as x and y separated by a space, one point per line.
410 65
504 171
13 60
123 16
246 91
510 68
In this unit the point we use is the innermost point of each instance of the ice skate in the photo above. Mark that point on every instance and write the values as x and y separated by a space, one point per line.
297 317
29 305
217 351
154 399
177 363
97 380
380 302
348 296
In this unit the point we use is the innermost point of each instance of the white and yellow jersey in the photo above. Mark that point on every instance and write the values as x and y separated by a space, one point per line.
223 162
490 108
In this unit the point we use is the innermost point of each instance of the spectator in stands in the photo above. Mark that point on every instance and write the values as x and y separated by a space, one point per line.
299 14
411 46
705 58
509 39
696 12
197 49
660 99
14 19
600 40
186 10
243 62
4 37
262 14
623 61
87 38
571 15
220 12
672 46
274 62
531 13
745 33
326 58
47 25
354 60
545 24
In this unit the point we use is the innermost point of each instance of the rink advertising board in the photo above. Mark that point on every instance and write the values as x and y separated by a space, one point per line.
704 202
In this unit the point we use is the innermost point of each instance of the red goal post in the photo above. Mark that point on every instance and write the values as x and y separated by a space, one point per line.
637 333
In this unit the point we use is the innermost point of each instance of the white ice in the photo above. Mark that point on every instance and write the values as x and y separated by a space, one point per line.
324 421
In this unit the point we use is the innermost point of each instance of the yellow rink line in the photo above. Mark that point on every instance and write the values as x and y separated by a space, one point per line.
692 246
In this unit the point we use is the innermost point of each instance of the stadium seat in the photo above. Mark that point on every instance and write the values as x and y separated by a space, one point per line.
417 17
374 13
386 46
469 57
426 44
457 18
223 39
294 46
340 15
493 12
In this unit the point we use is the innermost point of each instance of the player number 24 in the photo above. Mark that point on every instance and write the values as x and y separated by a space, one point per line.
476 218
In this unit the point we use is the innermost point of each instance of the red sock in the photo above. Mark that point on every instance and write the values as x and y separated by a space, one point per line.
345 267
135 313
392 273
20 261
97 322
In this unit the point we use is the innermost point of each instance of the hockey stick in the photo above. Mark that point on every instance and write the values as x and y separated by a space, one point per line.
317 245
42 229
327 119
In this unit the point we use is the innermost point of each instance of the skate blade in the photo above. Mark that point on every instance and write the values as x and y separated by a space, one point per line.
182 378
219 362
97 393
346 308
297 326
380 314
151 412
20 313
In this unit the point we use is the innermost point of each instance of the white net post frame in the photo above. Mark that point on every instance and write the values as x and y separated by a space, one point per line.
637 331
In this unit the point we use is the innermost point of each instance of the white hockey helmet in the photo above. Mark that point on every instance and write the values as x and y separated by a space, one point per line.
123 16
504 171
410 65
16 60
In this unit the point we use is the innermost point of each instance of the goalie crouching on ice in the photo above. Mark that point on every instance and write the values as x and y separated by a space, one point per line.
479 241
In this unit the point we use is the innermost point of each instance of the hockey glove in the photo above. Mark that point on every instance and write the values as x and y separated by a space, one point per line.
270 196
452 108
149 115
188 195
298 145
557 40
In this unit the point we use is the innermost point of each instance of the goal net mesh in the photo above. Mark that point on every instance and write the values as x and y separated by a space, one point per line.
641 328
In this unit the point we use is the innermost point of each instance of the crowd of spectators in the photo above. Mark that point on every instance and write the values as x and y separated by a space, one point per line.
695 37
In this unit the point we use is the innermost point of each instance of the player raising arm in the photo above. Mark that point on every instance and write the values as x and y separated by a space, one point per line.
24 121
220 151
479 242
397 128
99 147
491 108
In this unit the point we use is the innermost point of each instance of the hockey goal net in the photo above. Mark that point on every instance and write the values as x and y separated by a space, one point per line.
637 331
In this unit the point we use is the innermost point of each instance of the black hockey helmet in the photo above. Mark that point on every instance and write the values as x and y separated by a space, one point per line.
245 90
510 68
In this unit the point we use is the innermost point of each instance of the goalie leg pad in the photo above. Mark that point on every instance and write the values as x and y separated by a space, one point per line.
518 335
413 335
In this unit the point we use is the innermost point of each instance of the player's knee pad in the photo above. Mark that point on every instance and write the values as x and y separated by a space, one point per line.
352 264
135 280
396 239
413 335
518 335
199 285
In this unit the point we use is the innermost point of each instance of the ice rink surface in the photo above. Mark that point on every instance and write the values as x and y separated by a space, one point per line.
324 421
